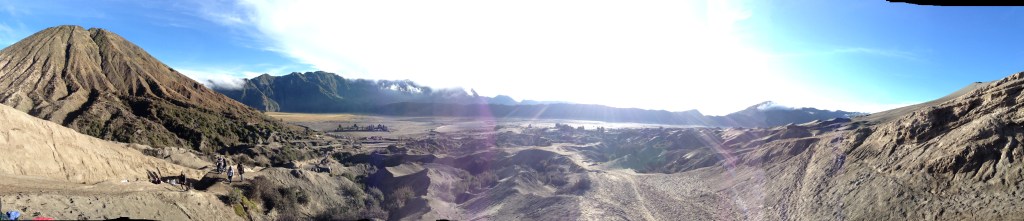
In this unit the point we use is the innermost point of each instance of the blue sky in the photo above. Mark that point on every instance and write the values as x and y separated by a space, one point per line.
714 56
176 32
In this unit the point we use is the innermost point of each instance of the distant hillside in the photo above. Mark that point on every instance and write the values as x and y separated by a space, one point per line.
768 114
100 84
546 111
319 92
327 92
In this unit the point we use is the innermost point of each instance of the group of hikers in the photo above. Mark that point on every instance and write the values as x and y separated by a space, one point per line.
223 164
156 178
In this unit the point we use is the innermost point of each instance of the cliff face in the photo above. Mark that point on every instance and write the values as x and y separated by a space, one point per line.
98 83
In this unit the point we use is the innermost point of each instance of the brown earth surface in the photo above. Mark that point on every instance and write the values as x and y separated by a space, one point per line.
98 83
955 158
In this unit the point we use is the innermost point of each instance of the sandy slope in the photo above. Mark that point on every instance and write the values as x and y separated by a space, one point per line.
54 171
39 148
101 84
889 115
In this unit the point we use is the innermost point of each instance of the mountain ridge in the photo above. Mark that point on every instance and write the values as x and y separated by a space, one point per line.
325 92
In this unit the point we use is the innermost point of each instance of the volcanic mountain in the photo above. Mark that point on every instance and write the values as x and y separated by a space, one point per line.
100 84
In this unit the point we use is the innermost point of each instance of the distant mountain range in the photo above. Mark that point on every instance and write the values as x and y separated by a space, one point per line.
102 85
327 92
324 92
770 114
955 157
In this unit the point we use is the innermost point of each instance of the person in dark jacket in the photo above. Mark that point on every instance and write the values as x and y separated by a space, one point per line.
184 181
220 164
231 173
241 172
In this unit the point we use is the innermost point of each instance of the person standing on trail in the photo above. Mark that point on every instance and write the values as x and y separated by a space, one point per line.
241 172
223 164
219 162
231 172
184 181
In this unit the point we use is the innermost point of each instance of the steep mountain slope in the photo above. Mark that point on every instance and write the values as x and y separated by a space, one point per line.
956 159
34 147
886 116
98 83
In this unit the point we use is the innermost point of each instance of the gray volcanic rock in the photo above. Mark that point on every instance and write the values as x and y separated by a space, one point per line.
98 83
957 158
953 159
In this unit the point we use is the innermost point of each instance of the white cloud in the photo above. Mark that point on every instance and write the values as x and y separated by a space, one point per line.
5 30
12 30
871 107
673 55
772 106
9 35
223 12
881 52
219 78
852 106
889 53
9 7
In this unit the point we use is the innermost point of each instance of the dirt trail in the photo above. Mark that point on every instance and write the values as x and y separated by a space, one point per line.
614 177
108 200
604 178
628 177
623 194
